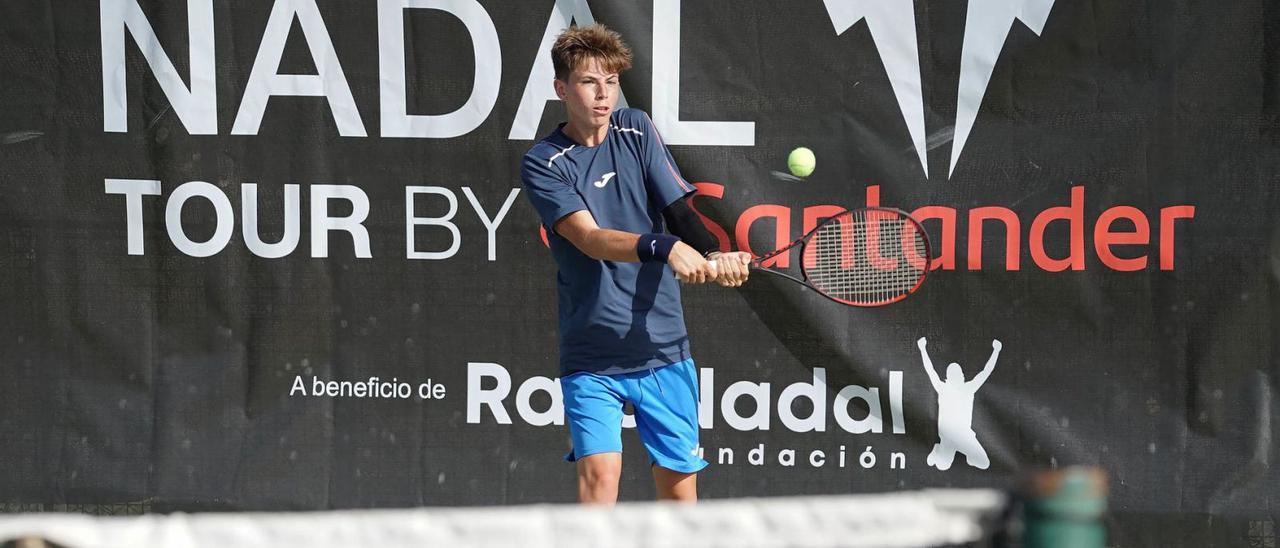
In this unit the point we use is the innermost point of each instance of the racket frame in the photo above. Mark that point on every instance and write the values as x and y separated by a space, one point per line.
757 264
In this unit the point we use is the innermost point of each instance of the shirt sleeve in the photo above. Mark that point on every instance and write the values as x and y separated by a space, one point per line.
551 195
663 179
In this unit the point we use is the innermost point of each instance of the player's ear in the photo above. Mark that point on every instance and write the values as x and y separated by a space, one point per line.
559 85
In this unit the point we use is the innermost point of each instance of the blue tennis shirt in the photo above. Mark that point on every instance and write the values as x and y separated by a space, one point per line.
615 317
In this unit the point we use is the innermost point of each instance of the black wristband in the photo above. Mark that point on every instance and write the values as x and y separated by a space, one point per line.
655 247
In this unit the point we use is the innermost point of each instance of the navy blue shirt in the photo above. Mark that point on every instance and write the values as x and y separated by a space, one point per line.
615 317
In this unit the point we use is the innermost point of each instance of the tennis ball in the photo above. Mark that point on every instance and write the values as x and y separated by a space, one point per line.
801 162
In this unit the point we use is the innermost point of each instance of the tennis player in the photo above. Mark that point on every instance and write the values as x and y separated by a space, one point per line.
622 233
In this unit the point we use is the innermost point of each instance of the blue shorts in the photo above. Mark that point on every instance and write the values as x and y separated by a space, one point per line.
665 400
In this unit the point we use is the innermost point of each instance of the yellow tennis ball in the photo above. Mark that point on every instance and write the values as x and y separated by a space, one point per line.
801 162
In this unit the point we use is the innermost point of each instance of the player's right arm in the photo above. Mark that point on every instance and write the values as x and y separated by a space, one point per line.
564 212
605 244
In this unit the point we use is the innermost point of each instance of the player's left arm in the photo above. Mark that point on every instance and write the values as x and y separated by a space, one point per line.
683 222
670 192
981 377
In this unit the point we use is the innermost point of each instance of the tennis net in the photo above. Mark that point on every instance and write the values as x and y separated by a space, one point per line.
945 517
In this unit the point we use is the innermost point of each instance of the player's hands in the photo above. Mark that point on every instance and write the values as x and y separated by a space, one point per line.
922 342
689 265
731 268
995 344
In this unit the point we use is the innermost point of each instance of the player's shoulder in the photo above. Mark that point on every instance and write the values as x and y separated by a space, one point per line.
630 120
547 150
541 151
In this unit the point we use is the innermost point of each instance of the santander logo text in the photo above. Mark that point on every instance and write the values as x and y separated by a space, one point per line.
1121 236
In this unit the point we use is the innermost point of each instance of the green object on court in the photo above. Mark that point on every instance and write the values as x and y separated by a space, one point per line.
801 162
1065 509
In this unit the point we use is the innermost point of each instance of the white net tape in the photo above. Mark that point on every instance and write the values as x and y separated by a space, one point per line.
920 518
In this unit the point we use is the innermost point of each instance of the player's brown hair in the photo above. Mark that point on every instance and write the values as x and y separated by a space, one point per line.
576 45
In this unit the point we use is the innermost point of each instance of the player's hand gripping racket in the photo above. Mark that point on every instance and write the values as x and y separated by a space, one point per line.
863 257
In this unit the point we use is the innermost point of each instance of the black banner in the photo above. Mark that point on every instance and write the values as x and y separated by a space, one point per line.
274 255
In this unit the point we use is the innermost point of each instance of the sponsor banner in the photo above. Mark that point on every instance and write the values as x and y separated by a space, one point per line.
275 255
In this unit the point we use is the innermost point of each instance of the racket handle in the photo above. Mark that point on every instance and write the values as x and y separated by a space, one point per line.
713 263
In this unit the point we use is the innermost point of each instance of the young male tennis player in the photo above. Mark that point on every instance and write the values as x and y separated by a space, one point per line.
606 187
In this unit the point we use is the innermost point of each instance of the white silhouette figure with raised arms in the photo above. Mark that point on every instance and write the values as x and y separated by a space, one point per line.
955 411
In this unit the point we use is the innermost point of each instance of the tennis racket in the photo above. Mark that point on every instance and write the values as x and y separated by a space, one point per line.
864 257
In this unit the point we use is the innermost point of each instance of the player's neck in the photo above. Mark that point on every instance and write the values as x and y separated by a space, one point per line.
585 135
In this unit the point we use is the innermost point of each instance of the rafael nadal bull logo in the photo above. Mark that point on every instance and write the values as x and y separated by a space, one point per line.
893 28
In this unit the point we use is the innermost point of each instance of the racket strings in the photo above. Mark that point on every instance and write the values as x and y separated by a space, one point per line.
866 257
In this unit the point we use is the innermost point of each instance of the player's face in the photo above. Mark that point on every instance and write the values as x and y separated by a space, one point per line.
589 94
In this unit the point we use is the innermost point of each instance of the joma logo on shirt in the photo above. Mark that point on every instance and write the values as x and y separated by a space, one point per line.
605 180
